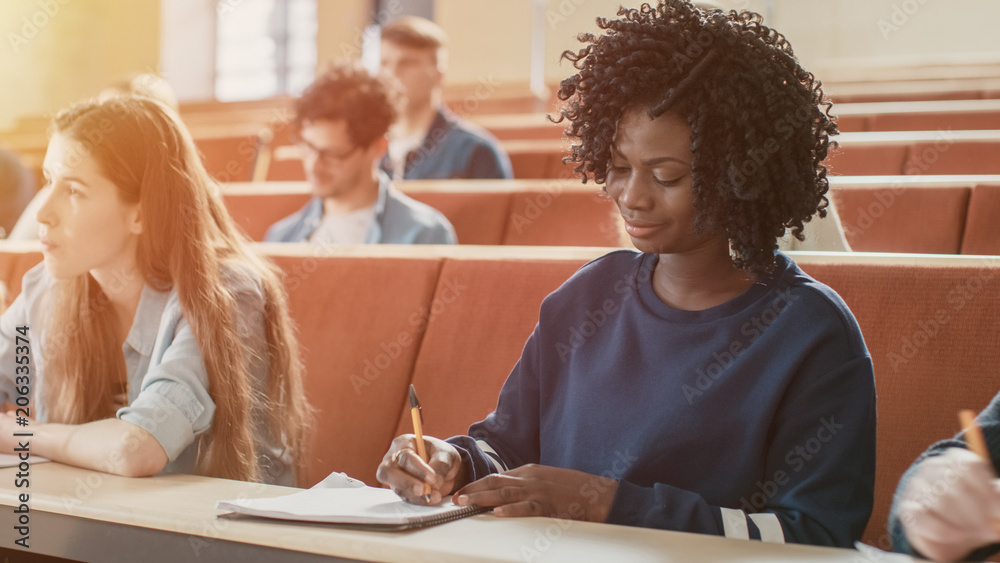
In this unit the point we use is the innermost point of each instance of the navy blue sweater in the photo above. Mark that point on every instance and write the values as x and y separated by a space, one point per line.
989 421
752 419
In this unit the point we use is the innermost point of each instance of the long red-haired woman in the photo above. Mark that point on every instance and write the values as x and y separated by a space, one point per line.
154 339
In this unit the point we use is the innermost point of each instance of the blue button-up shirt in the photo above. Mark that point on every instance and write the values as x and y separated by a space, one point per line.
399 219
167 380
454 148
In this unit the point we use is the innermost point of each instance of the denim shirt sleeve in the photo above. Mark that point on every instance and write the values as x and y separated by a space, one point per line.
173 403
14 317
24 311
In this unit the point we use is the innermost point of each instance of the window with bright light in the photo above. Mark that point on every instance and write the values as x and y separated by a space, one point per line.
264 48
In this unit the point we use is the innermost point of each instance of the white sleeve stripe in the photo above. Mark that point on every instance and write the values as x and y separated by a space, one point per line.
492 454
769 526
734 523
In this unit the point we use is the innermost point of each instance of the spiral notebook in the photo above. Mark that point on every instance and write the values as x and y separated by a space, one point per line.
367 508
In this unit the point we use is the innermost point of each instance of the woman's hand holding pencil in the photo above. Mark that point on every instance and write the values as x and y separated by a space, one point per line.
417 481
418 468
951 505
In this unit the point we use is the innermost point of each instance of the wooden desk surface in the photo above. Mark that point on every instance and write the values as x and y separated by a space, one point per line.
164 518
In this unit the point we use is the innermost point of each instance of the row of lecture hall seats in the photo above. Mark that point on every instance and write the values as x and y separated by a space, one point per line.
249 140
865 80
859 117
453 320
931 215
268 118
859 153
920 77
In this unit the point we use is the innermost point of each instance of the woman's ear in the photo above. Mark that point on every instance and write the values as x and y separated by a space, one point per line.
135 222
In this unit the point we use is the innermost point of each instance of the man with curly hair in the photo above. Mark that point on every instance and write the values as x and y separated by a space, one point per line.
341 121
705 383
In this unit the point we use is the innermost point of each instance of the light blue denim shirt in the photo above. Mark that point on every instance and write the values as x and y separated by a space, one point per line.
454 148
399 219
167 381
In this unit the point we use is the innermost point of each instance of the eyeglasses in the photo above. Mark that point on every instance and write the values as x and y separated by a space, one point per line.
325 156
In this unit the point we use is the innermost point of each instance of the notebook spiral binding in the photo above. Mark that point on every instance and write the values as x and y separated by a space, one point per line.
425 521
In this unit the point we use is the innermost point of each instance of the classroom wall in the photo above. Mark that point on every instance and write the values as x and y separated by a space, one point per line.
496 40
817 29
341 26
57 51
187 35
820 29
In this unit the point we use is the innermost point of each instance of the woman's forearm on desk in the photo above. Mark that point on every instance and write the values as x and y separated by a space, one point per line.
109 445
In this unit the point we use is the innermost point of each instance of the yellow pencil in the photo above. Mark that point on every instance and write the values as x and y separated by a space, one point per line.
973 434
418 431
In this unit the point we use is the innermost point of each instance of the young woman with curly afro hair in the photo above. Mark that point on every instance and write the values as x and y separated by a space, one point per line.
704 383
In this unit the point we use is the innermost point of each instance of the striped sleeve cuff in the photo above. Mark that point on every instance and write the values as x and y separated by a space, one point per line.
498 463
763 526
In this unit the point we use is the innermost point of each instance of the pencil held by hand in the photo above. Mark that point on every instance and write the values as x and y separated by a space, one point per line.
973 434
418 431
421 469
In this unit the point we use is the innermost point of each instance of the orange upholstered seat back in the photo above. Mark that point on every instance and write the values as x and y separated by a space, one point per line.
228 159
899 219
954 157
478 217
927 121
563 218
864 160
982 225
932 332
483 312
359 323
255 213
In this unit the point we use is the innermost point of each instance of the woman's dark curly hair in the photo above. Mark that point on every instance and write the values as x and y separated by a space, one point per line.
758 131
